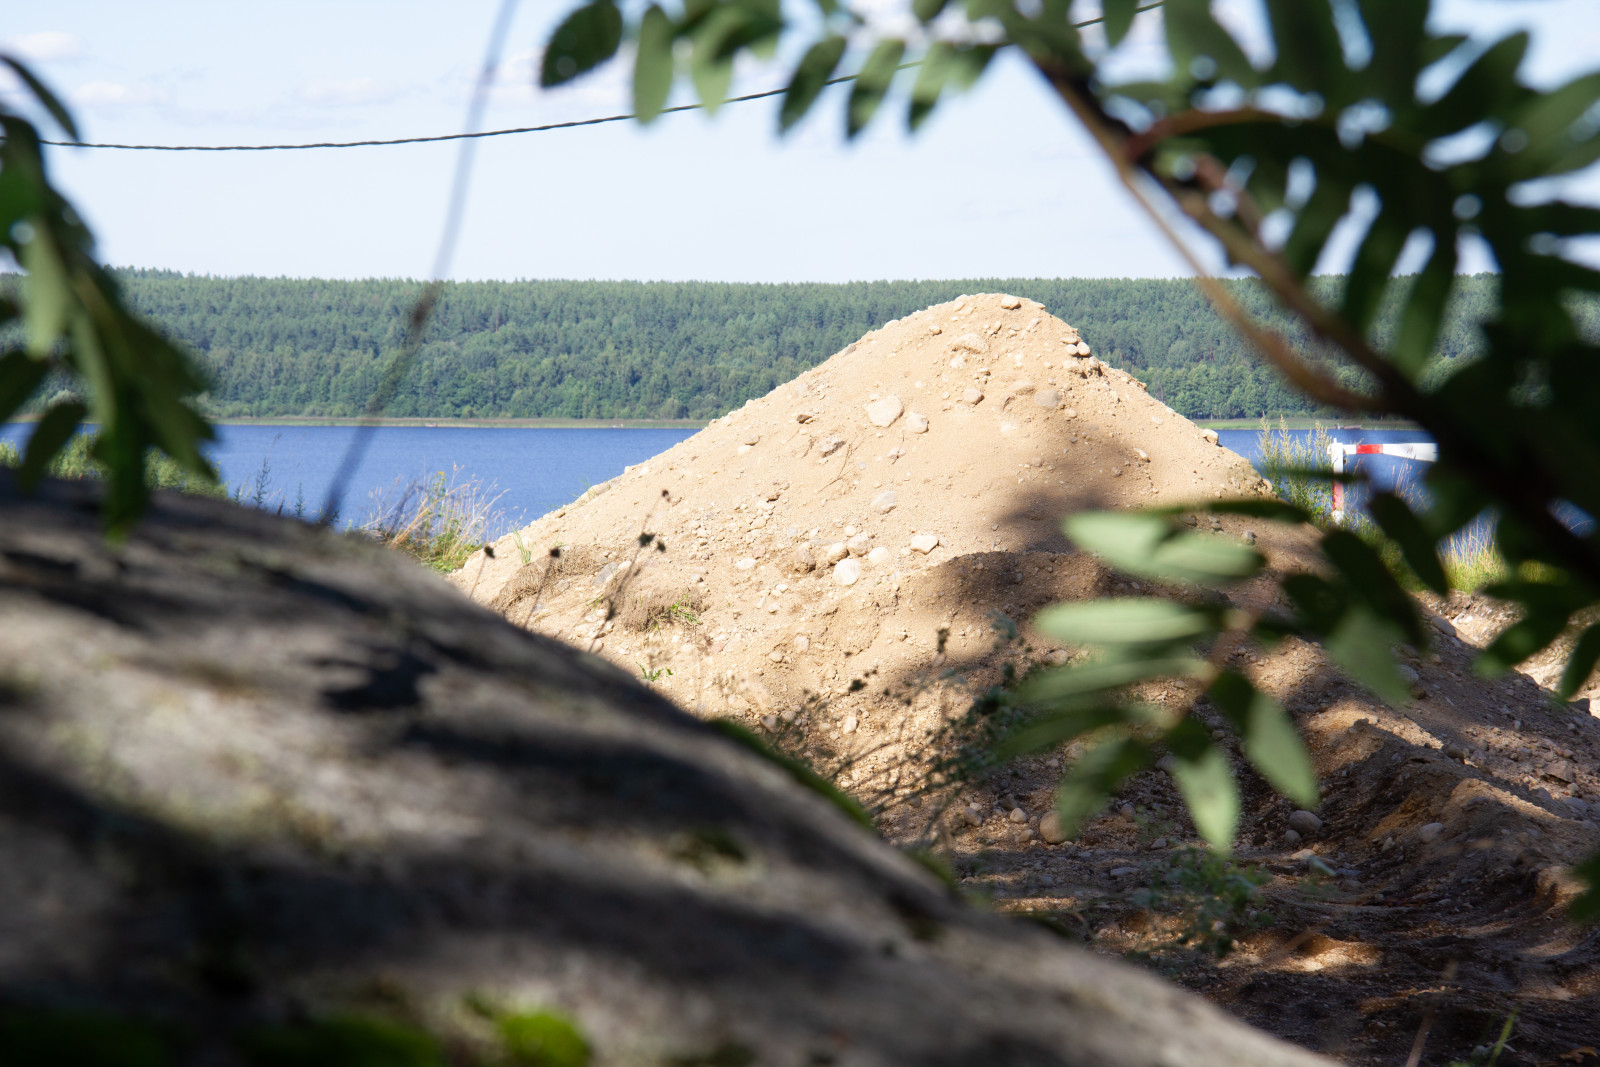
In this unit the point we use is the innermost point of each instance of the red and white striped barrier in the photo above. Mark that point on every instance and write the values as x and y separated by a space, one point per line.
1424 451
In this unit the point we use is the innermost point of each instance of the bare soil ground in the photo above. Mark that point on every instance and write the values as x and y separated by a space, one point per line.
840 565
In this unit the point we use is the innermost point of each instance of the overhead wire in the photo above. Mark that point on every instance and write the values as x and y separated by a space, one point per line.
480 134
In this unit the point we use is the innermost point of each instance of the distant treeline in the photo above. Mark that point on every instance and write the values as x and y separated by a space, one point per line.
567 349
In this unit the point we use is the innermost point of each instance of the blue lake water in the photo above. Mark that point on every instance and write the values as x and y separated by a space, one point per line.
532 470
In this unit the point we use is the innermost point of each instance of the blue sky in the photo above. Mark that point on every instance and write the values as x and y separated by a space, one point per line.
1000 182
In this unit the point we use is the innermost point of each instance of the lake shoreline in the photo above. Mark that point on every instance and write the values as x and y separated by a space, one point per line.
467 424
442 423
1307 424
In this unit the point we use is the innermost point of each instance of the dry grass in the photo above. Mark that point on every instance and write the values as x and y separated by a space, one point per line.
439 523
652 609
1296 467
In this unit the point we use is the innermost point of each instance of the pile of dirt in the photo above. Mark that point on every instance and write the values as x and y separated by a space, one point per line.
827 532
843 563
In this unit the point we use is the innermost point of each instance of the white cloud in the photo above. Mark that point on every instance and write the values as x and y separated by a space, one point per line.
115 94
46 46
350 92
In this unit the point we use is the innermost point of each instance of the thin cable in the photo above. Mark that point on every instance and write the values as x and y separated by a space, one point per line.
477 135
416 140
459 183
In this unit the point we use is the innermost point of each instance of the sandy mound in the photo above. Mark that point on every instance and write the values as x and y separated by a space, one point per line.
817 542
828 531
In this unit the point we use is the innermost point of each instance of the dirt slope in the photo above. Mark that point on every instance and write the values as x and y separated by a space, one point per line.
817 542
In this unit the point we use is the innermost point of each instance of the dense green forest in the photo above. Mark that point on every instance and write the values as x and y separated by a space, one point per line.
569 349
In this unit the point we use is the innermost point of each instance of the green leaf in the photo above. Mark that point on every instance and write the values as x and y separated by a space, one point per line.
711 61
928 10
1271 743
1585 654
46 98
79 1038
1085 788
1560 594
1124 620
588 37
1395 517
1374 262
1314 224
1369 579
1118 18
969 63
1310 55
1425 308
938 64
1478 92
1396 29
46 290
1049 730
1548 122
1269 510
1319 602
872 83
20 375
1205 779
1454 500
1435 48
653 64
1361 643
20 196
1582 154
1148 546
348 1041
1192 34
1586 909
543 1039
53 431
1532 633
1068 683
811 76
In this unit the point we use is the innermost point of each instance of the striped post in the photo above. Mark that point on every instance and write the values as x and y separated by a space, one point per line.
1426 452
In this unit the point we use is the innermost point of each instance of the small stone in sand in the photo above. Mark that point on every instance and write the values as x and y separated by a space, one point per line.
847 571
1305 823
925 543
883 412
916 422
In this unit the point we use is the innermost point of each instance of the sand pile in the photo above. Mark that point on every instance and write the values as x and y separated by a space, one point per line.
825 534
817 543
